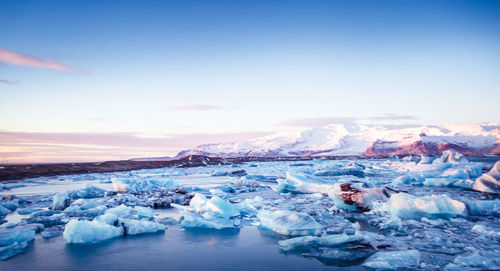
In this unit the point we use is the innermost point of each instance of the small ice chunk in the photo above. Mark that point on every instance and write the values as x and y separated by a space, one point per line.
83 231
3 211
289 223
489 182
200 203
407 206
484 207
303 183
144 212
134 226
123 211
16 234
476 261
12 250
391 260
324 241
194 220
131 185
481 229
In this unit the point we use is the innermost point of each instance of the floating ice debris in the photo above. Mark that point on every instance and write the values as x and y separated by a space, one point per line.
215 205
407 206
392 260
289 223
12 250
451 156
477 261
347 197
194 220
209 213
48 220
481 229
62 200
80 211
3 211
144 212
123 211
489 182
136 185
324 241
484 207
27 211
134 226
16 234
82 231
303 183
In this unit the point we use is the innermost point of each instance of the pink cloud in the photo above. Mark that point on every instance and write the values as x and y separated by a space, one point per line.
195 107
22 147
8 81
20 59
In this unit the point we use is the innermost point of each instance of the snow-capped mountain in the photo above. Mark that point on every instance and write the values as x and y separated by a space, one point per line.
339 140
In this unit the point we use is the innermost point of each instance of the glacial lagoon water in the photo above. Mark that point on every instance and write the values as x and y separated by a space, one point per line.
444 219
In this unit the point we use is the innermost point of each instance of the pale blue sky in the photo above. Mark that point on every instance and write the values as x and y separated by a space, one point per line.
255 64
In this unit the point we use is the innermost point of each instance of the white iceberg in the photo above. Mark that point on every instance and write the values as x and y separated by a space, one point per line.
123 185
83 231
324 241
392 260
489 182
289 222
407 206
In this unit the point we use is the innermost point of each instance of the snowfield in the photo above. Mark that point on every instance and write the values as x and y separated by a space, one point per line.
413 212
341 140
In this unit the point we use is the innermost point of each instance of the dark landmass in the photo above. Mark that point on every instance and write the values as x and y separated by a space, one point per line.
22 171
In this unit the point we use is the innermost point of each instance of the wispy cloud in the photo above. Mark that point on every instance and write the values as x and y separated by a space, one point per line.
313 122
316 122
21 147
21 59
8 81
195 107
393 116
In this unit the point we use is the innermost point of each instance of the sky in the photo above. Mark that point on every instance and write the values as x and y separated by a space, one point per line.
99 80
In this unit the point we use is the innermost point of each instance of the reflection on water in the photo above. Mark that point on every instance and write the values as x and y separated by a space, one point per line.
247 248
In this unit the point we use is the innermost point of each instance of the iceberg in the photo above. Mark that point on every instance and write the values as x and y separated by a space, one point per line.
3 211
213 213
392 260
323 241
16 234
484 207
489 182
476 261
215 205
62 200
144 212
289 223
303 183
193 220
407 206
83 231
12 250
123 211
124 185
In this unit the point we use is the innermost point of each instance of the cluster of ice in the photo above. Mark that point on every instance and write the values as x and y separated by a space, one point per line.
213 213
303 183
392 260
107 226
289 223
138 185
63 200
324 241
14 240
